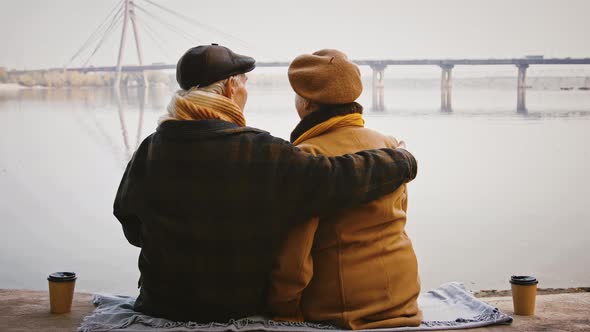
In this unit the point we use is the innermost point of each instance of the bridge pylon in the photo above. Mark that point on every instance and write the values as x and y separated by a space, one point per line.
446 88
378 86
129 15
521 87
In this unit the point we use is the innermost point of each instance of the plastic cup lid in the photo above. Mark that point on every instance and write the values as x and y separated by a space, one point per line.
62 276
523 280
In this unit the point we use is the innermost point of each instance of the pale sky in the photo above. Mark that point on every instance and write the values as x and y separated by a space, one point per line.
41 33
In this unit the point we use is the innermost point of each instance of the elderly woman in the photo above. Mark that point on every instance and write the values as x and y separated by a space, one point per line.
356 268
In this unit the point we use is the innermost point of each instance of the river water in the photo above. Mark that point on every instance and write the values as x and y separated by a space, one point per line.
497 193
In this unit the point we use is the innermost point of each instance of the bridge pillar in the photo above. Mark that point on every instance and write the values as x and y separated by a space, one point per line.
121 81
122 98
122 45
378 87
129 15
137 44
521 88
446 88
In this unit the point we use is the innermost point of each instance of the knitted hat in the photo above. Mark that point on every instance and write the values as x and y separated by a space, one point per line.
207 64
326 77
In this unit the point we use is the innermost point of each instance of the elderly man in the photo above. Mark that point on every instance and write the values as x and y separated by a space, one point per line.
209 200
356 268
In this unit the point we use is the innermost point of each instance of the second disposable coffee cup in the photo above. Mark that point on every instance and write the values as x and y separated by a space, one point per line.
61 291
524 293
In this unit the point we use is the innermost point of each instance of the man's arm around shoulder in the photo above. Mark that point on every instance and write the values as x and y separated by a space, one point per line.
320 185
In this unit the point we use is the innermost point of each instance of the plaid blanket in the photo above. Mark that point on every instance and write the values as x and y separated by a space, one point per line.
450 306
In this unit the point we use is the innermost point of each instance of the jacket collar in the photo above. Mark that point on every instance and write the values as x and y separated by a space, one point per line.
323 114
202 128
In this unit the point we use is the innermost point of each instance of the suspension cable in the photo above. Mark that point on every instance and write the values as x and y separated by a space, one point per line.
190 38
192 21
155 38
96 33
105 35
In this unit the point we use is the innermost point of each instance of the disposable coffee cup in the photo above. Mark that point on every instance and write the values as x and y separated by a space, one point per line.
61 291
524 293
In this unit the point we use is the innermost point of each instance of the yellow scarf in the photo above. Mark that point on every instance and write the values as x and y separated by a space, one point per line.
354 119
201 105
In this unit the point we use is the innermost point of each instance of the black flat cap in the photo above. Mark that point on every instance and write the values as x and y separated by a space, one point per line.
206 64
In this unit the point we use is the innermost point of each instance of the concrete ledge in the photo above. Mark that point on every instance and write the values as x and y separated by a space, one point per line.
555 312
25 310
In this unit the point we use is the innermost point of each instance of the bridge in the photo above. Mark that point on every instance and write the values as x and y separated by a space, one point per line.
447 66
125 12
372 63
379 66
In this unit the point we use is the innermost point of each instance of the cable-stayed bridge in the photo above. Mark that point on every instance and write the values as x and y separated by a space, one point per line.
152 17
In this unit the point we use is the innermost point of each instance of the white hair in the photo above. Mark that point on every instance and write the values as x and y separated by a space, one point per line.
219 86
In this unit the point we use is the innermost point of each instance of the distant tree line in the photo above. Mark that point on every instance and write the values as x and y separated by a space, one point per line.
3 75
58 79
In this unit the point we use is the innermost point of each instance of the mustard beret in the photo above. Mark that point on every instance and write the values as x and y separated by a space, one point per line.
325 77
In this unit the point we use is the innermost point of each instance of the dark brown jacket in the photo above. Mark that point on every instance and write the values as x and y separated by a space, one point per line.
209 203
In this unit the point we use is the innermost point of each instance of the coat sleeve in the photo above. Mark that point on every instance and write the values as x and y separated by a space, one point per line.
292 272
319 185
127 198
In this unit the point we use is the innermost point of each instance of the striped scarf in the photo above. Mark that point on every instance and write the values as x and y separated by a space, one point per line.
195 104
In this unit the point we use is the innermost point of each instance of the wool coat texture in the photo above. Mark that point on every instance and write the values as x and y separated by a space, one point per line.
355 268
209 203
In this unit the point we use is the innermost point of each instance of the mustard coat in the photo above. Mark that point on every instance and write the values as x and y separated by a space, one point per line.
356 269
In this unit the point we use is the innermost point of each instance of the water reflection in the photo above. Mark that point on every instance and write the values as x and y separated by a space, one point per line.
271 109
90 97
141 96
89 107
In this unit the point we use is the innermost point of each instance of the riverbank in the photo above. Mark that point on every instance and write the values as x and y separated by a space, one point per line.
12 87
25 310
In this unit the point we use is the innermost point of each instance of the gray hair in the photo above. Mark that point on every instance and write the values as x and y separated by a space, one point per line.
306 104
219 86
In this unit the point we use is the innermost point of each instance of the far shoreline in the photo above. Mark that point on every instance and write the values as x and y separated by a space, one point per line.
13 87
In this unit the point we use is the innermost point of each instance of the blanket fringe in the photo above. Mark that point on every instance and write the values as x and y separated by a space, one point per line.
492 315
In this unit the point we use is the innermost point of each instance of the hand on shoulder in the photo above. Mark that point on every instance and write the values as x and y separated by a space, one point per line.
397 144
